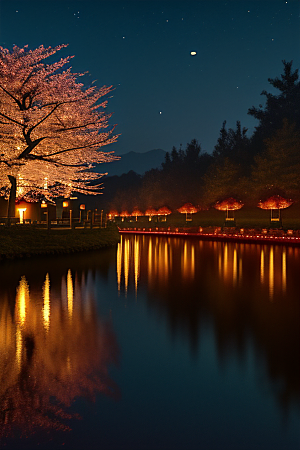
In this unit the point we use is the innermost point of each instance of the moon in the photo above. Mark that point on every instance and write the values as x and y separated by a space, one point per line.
193 53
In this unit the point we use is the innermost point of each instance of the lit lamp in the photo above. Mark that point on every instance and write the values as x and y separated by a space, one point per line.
112 214
65 204
124 214
150 213
81 208
275 203
164 211
136 213
188 209
229 204
22 214
43 204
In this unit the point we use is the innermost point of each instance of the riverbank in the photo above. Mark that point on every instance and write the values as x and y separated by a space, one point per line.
26 241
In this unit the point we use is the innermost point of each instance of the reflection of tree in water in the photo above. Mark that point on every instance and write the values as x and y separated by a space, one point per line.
194 283
52 351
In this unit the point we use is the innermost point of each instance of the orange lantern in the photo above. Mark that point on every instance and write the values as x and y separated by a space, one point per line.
65 204
229 204
124 214
151 212
136 213
276 202
186 209
164 211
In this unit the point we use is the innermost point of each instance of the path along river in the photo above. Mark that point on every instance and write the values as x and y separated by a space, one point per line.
160 343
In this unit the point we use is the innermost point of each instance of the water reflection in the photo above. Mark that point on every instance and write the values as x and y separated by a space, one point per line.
53 349
247 292
156 258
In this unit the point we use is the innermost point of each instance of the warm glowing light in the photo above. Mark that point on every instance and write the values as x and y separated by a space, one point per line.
275 202
124 214
150 212
150 259
234 267
119 263
271 273
112 214
46 307
70 293
126 263
136 263
188 208
283 275
22 301
65 204
164 211
43 204
21 212
58 109
19 347
229 204
82 207
136 213
262 266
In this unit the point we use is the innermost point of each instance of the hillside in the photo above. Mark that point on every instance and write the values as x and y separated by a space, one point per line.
138 162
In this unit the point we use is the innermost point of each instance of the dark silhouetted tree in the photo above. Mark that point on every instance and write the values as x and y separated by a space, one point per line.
285 105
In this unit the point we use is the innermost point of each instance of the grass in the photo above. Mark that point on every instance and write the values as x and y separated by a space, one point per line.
25 241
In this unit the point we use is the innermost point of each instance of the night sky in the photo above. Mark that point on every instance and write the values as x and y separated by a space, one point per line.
163 95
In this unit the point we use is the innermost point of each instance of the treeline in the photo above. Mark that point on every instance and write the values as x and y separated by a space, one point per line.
247 168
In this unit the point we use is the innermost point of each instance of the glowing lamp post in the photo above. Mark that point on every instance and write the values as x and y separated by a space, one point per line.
275 203
164 211
150 213
81 209
229 204
188 209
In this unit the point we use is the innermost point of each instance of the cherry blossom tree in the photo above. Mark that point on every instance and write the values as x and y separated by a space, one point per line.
51 127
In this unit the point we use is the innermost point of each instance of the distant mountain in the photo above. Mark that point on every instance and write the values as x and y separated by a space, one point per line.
138 162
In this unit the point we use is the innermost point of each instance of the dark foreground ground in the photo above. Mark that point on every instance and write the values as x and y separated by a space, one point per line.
27 240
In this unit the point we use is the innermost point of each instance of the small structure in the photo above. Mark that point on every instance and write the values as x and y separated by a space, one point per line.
112 215
188 209
164 212
229 205
151 212
275 204
136 213
124 214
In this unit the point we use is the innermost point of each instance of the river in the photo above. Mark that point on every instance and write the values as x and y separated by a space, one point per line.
159 343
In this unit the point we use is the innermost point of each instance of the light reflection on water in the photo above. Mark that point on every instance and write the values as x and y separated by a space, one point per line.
224 300
52 346
156 258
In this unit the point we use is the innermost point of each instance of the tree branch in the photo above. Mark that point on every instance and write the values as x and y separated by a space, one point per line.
12 120
8 93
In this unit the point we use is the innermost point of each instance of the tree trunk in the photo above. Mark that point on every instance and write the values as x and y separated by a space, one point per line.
12 197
